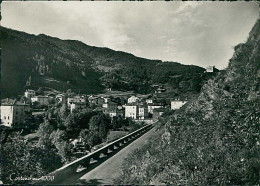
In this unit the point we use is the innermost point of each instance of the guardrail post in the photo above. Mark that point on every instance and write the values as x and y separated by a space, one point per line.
86 162
116 146
96 156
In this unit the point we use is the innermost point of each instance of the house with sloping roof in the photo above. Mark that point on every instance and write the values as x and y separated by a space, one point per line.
13 112
132 99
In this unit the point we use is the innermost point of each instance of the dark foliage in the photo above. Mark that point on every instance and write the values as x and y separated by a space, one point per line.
64 64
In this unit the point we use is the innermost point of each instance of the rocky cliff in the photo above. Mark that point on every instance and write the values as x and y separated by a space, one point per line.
215 139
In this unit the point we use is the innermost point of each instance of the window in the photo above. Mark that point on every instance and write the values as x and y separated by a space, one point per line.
4 117
8 117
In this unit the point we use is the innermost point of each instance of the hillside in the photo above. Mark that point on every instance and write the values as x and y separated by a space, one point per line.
42 61
215 139
30 61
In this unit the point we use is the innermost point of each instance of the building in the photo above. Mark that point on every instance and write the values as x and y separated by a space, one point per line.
29 94
152 106
136 111
41 100
106 100
159 90
79 106
110 105
60 98
101 110
97 101
149 101
210 69
131 111
178 103
132 99
157 113
117 113
75 99
142 111
13 112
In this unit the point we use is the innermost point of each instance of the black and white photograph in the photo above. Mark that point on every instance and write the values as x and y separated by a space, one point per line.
130 93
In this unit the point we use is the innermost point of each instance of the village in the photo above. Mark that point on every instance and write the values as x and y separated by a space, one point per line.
138 109
113 114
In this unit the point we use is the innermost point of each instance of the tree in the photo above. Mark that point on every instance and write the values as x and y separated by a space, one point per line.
59 139
20 159
99 124
93 139
63 112
44 132
84 134
117 122
30 123
71 126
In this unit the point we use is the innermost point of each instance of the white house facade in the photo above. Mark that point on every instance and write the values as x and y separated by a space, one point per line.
29 93
131 111
13 114
177 104
42 100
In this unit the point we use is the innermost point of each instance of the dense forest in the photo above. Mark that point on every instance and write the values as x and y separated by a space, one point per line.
215 140
176 78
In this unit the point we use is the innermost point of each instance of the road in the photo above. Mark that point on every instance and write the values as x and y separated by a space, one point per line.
110 169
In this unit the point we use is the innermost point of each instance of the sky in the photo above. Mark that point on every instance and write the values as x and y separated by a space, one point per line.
198 33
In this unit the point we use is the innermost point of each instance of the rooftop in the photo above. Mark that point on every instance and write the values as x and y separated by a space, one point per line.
10 102
78 103
29 90
40 96
131 104
180 99
159 110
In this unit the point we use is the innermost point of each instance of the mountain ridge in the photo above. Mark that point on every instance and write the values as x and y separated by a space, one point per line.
30 61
